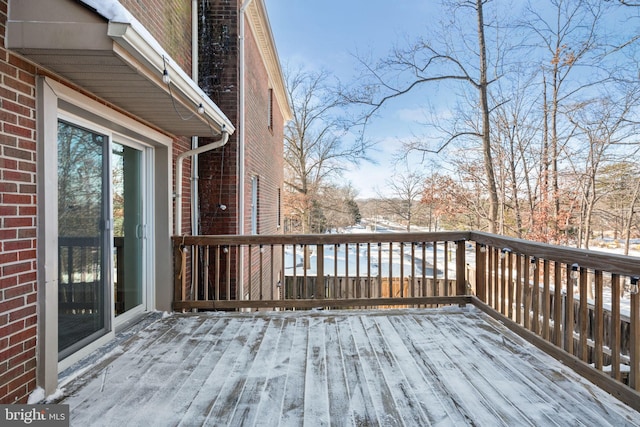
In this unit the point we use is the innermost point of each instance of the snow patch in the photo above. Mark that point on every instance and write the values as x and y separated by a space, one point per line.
36 396
111 10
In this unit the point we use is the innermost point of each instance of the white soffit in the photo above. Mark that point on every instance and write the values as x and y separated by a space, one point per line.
119 62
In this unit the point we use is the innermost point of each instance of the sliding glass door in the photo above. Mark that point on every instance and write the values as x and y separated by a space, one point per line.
129 226
83 236
101 234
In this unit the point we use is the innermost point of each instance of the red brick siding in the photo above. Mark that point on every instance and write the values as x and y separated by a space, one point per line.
218 59
18 264
264 159
169 22
264 145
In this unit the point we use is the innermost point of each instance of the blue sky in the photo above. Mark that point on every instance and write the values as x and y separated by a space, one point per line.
326 34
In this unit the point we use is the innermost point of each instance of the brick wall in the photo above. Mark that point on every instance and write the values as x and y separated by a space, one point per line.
169 22
218 59
18 286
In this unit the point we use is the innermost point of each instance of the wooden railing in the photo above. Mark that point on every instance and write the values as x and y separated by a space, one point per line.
577 305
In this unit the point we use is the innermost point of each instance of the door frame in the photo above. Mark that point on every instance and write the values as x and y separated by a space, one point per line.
53 100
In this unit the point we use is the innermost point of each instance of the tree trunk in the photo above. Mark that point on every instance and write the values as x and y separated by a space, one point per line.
486 135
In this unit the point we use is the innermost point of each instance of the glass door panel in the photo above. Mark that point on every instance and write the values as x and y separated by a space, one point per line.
128 196
82 231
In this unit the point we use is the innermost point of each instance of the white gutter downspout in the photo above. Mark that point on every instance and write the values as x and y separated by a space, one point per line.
178 203
241 144
195 199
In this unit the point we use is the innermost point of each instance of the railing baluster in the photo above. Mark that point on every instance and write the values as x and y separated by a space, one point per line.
493 266
615 344
535 298
336 284
272 273
436 287
569 312
379 270
401 269
510 284
546 299
461 269
634 350
368 287
218 267
261 278
347 285
320 292
583 314
557 304
446 268
250 260
390 269
294 280
503 283
228 268
424 268
305 266
599 321
413 269
205 273
358 294
526 297
519 289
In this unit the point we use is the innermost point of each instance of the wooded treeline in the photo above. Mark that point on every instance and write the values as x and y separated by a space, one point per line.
531 118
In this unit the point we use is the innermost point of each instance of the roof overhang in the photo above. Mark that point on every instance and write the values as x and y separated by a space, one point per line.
119 62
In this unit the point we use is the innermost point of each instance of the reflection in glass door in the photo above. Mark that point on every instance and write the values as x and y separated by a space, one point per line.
83 233
128 231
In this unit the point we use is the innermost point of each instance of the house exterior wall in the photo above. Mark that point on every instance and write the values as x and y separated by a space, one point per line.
18 213
218 177
170 23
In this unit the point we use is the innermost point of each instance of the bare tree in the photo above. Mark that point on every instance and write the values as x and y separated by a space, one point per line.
405 192
315 150
603 124
569 36
436 60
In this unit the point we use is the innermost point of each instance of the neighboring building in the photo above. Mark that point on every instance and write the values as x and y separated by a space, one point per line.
89 138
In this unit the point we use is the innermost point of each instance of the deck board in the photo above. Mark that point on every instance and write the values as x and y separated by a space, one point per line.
448 366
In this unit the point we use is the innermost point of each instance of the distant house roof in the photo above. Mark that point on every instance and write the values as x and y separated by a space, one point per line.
111 54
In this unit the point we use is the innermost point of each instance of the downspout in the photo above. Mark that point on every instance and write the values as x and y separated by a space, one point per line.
191 153
241 143
195 198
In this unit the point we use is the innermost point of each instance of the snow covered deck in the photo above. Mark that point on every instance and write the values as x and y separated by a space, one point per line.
447 366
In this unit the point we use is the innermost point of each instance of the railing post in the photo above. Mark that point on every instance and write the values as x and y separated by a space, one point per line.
179 264
634 348
461 268
319 292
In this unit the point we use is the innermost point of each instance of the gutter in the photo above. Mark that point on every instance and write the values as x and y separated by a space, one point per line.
179 161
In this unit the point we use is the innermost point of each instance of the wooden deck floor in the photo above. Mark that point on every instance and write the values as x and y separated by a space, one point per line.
452 366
